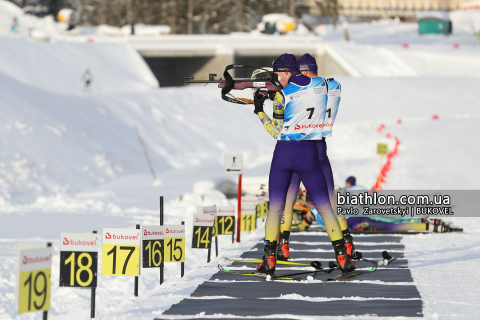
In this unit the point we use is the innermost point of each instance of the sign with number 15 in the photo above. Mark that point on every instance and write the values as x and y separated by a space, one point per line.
174 243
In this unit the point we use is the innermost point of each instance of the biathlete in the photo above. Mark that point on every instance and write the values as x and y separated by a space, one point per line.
308 67
298 116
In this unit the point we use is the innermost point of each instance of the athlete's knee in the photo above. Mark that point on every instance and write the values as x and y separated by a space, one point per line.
276 209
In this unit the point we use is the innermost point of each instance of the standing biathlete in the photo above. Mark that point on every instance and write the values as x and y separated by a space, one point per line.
298 114
308 67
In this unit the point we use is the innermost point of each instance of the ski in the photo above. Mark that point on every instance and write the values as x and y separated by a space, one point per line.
343 276
257 274
278 262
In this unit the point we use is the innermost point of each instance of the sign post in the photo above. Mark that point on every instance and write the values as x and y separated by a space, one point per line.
33 278
234 165
79 262
202 232
213 211
153 247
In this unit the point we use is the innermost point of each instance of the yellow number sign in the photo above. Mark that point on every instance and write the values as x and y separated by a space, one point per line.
174 243
248 222
382 149
121 252
34 280
225 220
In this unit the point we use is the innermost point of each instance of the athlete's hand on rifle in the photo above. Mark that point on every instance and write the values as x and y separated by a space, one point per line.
258 101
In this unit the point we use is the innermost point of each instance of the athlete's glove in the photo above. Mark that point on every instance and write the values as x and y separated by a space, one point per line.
258 100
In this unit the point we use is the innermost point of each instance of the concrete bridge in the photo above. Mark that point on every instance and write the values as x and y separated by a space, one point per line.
172 57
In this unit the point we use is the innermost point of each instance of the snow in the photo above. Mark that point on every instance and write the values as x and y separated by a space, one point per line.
71 161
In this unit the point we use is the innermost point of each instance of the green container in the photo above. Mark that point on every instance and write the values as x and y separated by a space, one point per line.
434 26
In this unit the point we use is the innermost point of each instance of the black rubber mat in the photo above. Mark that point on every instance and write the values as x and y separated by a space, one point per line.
384 275
389 232
318 255
248 293
328 246
229 318
274 289
325 238
402 263
263 307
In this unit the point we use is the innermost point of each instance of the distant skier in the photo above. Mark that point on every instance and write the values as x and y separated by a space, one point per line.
87 79
14 25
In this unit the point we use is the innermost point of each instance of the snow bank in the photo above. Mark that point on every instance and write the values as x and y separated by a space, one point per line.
59 66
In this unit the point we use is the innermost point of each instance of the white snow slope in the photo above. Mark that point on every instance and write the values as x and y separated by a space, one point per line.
71 162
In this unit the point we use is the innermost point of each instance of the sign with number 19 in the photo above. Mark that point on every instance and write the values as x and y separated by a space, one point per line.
33 283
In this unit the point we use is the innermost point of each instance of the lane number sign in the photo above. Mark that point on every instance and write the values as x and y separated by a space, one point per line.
78 260
121 252
152 246
174 243
225 220
202 231
249 218
33 282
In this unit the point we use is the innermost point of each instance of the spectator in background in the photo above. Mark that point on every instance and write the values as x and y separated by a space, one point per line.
351 184
87 79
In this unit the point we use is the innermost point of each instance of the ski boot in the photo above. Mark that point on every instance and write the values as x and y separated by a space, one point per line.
269 259
350 248
343 259
283 250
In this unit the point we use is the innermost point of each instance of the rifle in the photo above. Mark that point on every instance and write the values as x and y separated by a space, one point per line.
268 86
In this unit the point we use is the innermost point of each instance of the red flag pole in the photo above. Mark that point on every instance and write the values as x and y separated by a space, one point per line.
239 215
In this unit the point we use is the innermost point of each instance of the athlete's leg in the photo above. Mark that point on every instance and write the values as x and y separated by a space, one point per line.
327 172
281 172
310 171
292 193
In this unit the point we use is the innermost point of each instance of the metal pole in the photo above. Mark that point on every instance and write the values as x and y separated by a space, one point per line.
216 246
239 196
135 290
209 251
161 223
45 313
182 265
146 153
92 294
